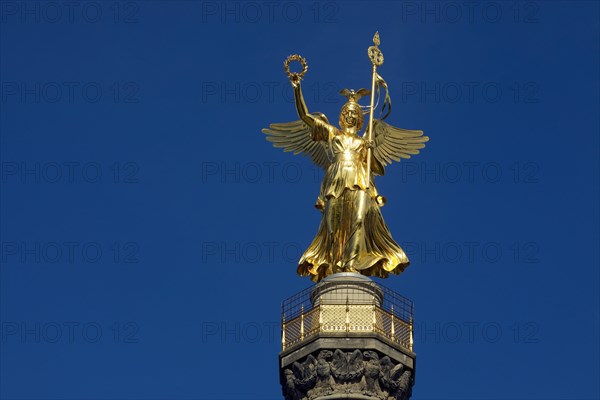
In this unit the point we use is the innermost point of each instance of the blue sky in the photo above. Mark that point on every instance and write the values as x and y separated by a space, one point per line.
149 232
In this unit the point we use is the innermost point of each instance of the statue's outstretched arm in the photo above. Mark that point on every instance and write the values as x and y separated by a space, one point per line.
303 113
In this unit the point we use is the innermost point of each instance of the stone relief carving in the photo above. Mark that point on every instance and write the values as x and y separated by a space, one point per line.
357 372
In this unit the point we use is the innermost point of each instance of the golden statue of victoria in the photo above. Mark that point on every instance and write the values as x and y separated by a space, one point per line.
352 236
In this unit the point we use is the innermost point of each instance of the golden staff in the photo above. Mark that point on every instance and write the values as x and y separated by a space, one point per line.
376 57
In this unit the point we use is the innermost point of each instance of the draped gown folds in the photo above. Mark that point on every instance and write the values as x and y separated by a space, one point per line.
352 236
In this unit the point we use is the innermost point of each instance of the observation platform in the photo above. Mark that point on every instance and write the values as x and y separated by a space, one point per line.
347 336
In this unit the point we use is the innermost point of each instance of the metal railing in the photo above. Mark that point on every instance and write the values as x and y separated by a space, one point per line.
390 316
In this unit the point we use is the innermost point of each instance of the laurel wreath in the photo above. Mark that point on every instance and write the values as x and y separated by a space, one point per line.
301 60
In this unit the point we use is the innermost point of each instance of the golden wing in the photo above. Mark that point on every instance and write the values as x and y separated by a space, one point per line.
394 144
296 137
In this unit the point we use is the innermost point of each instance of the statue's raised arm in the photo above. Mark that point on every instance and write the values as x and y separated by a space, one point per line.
303 136
295 78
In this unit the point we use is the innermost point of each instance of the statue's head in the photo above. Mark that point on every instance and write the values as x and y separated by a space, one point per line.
351 116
